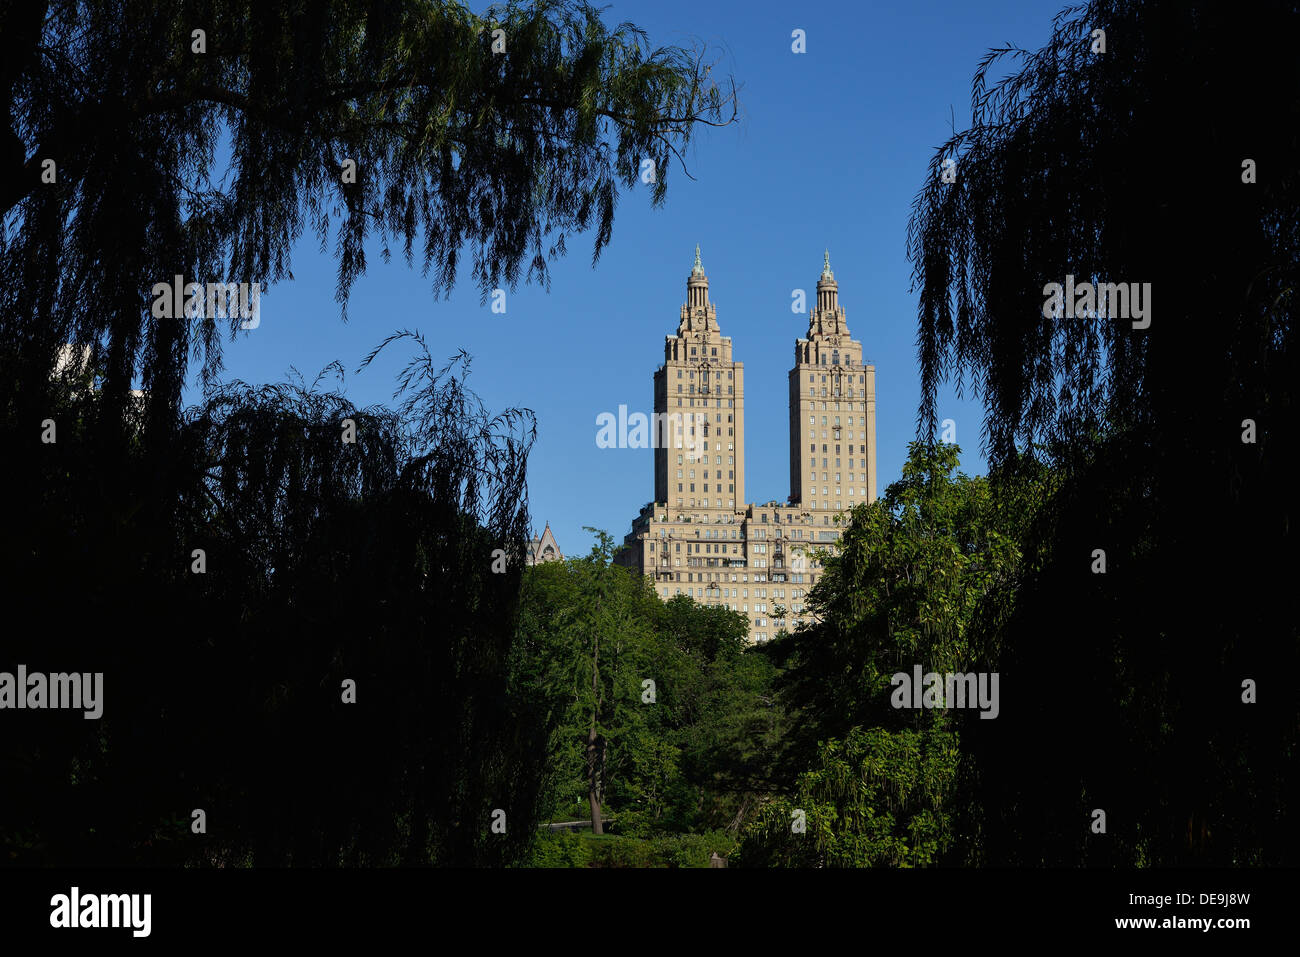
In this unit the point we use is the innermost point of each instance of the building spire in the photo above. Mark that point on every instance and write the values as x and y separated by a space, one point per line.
827 318
697 288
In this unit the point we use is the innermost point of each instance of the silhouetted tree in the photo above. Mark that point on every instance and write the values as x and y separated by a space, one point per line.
506 133
326 560
1123 690
135 149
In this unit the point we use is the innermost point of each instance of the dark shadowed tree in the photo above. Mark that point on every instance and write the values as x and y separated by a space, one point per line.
1165 159
323 561
202 138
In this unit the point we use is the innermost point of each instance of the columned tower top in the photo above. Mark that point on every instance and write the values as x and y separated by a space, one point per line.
698 314
828 318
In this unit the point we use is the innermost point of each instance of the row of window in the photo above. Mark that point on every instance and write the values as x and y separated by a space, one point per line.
727 592
709 548
812 447
706 562
862 379
862 420
704 503
704 403
703 562
731 390
812 463
735 533
835 406
798 578
731 460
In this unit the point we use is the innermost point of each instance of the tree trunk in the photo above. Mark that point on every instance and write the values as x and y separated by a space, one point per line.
593 778
595 747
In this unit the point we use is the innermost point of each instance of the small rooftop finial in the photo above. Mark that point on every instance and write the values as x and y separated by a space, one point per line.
697 269
826 268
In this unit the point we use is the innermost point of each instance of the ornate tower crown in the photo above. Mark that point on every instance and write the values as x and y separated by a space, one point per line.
698 314
828 318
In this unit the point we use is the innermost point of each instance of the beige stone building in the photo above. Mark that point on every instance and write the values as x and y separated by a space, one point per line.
543 548
699 537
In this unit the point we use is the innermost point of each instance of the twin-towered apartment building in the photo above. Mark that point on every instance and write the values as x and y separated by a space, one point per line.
699 537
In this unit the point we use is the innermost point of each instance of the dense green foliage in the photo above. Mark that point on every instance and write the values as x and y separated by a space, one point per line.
879 785
879 798
609 850
687 760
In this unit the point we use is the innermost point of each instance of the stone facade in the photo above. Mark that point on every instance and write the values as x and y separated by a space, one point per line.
544 548
699 537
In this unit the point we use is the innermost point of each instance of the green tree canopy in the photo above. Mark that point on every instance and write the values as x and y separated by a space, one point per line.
909 584
682 754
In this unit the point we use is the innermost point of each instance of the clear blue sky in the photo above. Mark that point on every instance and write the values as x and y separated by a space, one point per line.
831 148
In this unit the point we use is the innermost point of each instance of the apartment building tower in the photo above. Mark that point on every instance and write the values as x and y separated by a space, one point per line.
699 536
